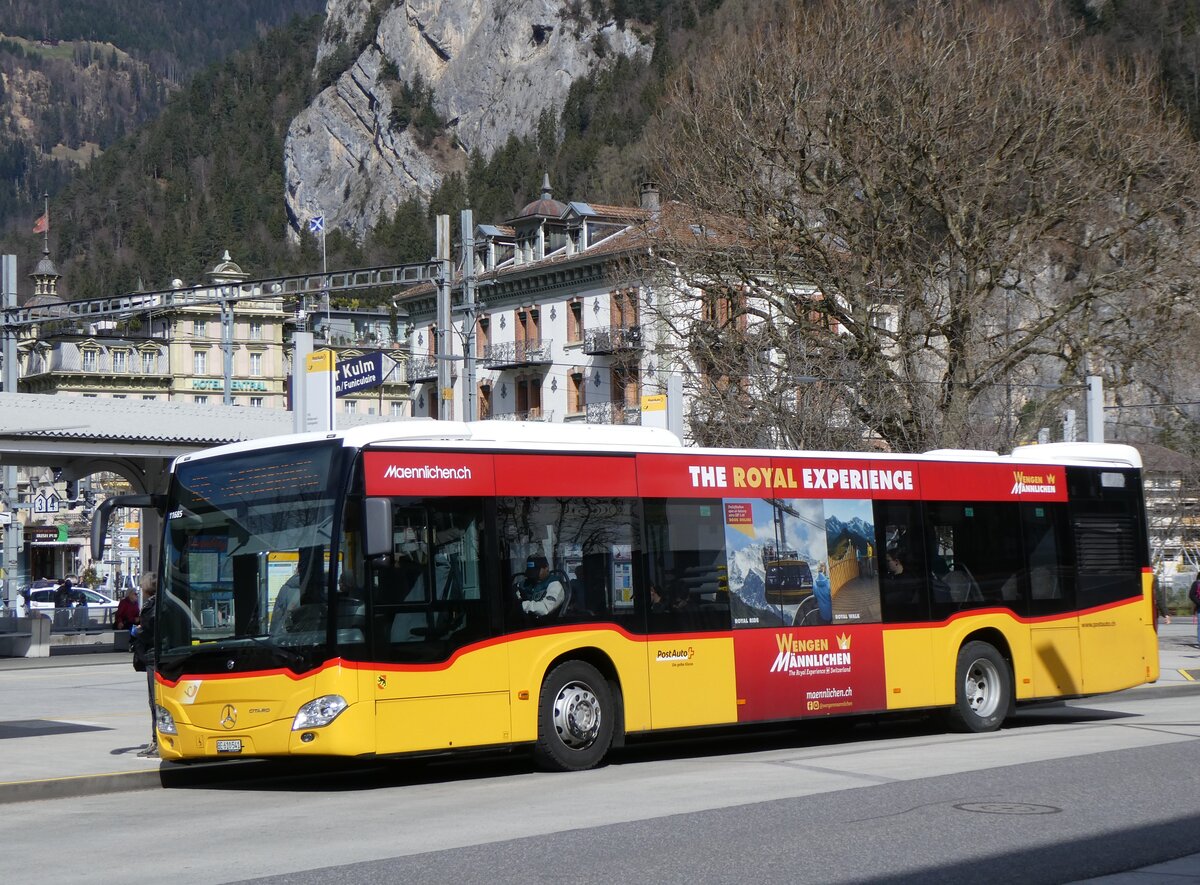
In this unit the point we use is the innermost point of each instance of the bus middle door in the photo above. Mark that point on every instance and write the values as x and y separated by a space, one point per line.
432 690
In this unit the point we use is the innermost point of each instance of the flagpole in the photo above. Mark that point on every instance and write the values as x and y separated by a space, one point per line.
46 232
325 275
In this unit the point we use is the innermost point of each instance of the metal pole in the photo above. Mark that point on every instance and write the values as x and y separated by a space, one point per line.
8 300
302 345
227 348
1095 408
9 270
468 248
445 392
325 276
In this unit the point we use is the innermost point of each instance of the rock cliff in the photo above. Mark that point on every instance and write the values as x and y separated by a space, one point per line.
493 67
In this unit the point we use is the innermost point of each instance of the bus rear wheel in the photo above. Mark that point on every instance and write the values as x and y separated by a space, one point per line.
983 692
575 718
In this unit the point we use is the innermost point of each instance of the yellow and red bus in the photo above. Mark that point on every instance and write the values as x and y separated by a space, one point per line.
382 590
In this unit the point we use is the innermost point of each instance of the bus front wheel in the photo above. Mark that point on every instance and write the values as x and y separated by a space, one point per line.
983 692
575 718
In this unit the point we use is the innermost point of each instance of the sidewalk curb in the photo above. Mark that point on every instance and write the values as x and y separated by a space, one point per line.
167 775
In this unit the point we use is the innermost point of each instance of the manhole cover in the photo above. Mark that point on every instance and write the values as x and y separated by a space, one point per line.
1006 808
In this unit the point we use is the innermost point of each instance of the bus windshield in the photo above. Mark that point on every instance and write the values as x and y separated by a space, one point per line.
247 555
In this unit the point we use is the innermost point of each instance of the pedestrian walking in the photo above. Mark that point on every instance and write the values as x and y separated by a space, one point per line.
144 638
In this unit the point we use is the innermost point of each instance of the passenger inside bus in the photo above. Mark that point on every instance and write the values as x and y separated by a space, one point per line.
902 585
541 593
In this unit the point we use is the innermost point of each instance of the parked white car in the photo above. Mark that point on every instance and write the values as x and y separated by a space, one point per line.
99 610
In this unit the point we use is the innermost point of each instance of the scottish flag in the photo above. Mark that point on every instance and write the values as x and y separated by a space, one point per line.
316 225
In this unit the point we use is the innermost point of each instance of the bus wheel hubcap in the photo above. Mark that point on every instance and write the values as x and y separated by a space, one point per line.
576 715
983 688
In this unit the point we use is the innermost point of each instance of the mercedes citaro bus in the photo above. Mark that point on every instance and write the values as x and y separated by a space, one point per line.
360 592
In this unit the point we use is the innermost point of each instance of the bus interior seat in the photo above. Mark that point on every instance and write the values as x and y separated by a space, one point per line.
1043 583
408 627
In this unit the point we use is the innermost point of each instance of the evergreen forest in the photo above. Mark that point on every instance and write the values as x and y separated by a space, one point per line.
166 198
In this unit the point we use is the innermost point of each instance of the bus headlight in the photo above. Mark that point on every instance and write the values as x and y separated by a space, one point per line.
320 712
164 721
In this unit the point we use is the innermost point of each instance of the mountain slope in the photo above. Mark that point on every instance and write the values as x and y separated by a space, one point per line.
76 75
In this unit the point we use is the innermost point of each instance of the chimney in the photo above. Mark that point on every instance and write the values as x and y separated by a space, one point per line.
649 197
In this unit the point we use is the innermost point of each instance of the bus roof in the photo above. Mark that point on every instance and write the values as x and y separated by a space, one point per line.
524 435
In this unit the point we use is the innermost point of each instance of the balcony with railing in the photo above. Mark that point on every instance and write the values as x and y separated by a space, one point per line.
612 339
535 414
515 354
420 369
613 413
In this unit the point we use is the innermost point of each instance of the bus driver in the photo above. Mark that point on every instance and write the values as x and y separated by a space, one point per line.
541 594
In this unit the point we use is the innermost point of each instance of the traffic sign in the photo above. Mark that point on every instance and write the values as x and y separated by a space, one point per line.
359 373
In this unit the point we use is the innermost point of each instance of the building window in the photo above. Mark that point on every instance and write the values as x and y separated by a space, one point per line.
575 321
576 386
397 409
256 330
200 400
529 328
351 407
483 336
118 396
529 397
120 360
199 329
484 402
148 363
626 387
623 305
149 397
91 359
199 362
256 402
255 365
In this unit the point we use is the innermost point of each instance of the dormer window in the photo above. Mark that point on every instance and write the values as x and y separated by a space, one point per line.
91 359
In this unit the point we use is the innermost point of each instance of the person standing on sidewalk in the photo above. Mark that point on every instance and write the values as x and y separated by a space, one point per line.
1160 600
1194 597
143 637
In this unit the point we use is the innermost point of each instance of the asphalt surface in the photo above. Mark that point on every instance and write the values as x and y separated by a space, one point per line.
82 737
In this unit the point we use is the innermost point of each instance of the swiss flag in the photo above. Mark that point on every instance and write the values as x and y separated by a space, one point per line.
42 224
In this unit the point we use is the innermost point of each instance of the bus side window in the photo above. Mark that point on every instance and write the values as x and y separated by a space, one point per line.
903 575
588 545
686 586
1050 586
975 556
427 597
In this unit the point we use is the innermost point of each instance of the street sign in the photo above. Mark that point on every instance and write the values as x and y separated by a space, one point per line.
359 373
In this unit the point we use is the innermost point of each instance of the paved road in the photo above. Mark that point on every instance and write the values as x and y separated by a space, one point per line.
1063 794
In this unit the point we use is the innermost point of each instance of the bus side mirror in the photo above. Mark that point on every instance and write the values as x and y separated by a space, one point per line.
377 522
105 508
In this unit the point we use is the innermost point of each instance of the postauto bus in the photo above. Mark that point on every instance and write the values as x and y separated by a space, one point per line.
366 592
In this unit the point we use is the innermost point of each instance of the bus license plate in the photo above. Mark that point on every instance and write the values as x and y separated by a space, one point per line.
229 746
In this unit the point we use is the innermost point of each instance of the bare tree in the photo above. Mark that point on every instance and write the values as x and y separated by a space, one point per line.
935 219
